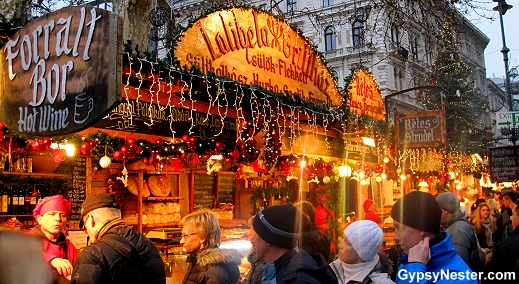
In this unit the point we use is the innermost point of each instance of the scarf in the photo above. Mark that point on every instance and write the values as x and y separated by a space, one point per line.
110 223
488 232
358 272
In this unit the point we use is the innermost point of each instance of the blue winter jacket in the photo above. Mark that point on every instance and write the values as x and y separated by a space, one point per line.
445 266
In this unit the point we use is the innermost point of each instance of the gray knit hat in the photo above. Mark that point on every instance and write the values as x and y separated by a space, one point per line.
449 202
278 225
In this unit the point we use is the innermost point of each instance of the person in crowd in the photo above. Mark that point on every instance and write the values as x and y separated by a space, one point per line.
494 212
313 239
417 217
52 214
370 208
118 253
507 201
21 260
207 262
359 258
475 205
255 273
484 227
321 214
277 230
462 235
506 254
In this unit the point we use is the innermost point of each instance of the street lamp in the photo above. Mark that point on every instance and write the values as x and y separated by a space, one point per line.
502 7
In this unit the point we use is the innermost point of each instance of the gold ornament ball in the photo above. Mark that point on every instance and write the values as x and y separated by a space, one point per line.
105 161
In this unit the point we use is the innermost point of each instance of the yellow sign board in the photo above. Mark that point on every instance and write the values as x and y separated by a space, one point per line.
365 96
256 48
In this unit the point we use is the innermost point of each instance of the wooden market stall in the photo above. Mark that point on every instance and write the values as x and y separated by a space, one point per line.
226 126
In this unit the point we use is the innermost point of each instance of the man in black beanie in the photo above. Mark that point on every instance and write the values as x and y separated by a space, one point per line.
428 252
276 231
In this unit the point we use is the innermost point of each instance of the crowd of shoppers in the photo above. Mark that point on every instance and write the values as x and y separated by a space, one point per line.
287 244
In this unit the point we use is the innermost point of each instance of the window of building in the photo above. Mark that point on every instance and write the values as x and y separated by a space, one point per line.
327 3
358 33
414 47
291 7
394 36
428 53
335 76
330 39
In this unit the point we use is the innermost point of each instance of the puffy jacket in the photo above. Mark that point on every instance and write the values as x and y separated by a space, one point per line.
213 266
463 238
99 263
379 275
443 259
299 267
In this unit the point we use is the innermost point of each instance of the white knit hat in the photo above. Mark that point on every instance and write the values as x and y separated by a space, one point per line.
366 238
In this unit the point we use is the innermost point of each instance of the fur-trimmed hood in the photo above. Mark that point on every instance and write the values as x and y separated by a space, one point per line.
215 256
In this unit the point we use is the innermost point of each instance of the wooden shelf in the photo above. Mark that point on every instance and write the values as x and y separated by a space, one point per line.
161 225
162 198
36 174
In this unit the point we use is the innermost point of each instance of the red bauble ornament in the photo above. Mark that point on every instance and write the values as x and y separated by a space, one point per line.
159 142
183 156
219 145
158 152
93 143
117 155
2 125
85 147
131 141
124 149
185 137
192 139
47 141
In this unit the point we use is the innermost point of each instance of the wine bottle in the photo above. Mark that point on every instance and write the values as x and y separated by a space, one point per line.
27 207
35 195
14 201
4 200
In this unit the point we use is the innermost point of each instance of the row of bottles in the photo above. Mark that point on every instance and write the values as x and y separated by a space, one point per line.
18 200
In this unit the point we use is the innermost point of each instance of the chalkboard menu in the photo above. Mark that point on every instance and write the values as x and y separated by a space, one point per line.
203 187
226 186
76 169
504 163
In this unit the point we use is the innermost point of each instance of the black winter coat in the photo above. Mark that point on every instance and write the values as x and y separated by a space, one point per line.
213 266
505 258
99 263
300 267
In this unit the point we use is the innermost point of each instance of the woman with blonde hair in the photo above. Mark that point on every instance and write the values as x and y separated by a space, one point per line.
484 226
207 262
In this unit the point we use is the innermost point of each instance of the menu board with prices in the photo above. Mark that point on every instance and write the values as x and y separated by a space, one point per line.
203 190
226 185
76 168
504 163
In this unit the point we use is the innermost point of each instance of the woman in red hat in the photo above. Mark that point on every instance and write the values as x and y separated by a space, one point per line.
52 214
370 208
